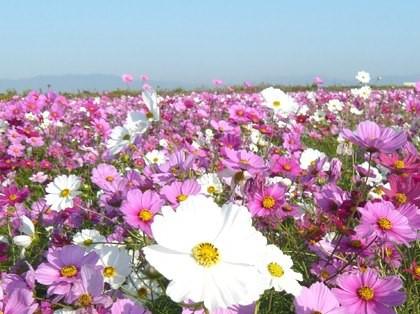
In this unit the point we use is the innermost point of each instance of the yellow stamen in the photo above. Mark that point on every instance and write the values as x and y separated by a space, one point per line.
109 272
206 254
276 103
181 197
211 189
275 269
85 300
65 193
399 164
68 271
384 223
268 202
400 198
366 293
145 215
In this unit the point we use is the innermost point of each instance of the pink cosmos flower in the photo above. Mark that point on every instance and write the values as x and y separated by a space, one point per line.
285 166
12 195
267 202
144 77
140 208
19 301
39 177
243 160
318 298
417 88
384 221
367 293
374 138
318 80
16 150
104 175
126 306
179 191
63 268
127 78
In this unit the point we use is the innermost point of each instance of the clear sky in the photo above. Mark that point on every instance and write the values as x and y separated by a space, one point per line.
188 40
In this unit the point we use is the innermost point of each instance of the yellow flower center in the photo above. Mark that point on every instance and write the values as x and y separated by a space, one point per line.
155 160
13 197
356 244
324 274
276 103
149 115
206 254
287 167
365 293
109 178
181 197
85 300
399 164
145 215
268 202
384 223
211 189
109 272
275 269
87 242
417 270
401 198
142 293
126 137
65 193
68 271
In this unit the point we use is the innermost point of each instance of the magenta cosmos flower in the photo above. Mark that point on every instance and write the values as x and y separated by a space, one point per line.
267 202
126 306
19 301
384 221
367 293
140 208
318 298
375 138
243 160
63 268
179 191
104 175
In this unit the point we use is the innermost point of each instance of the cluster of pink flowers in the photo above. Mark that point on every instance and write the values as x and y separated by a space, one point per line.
338 173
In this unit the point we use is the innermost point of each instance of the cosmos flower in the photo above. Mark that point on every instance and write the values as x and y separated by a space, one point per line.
318 298
363 77
384 221
127 78
178 191
155 157
28 229
276 270
151 101
268 201
140 209
243 160
279 101
62 191
367 293
207 253
115 264
374 138
87 239
126 306
210 184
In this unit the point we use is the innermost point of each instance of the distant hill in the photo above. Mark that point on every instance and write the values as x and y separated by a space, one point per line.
107 82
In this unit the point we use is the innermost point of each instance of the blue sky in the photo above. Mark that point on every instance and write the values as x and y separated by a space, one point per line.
186 41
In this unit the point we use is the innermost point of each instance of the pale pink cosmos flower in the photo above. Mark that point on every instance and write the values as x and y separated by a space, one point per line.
39 177
127 78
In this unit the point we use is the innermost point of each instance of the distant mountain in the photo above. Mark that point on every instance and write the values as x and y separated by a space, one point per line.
77 82
106 82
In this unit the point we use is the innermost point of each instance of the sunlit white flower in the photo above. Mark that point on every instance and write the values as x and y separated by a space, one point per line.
344 147
136 123
279 101
362 92
210 184
277 272
116 264
356 111
87 238
163 143
375 176
62 191
119 139
139 286
318 116
309 156
363 77
334 105
151 101
207 253
28 229
156 157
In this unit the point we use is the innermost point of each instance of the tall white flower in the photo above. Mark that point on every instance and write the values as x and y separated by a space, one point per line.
119 139
363 77
62 191
136 123
210 184
276 269
208 253
116 265
151 101
334 105
279 101
309 156
87 238
28 229
156 157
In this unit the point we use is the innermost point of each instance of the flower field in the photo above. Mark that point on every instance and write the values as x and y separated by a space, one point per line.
257 201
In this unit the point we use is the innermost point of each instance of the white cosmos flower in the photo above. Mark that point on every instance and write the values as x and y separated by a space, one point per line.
119 139
28 229
334 105
136 123
155 157
210 184
309 156
276 269
279 101
116 264
87 237
363 77
139 286
207 253
151 101
375 176
362 92
62 191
